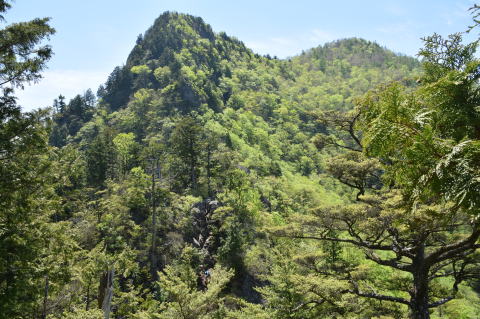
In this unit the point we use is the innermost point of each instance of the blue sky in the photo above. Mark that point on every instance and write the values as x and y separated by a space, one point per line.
94 36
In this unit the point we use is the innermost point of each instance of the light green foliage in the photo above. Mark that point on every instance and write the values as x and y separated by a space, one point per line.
294 293
78 313
162 75
415 225
466 306
232 128
143 72
355 170
125 145
182 298
140 69
201 156
440 118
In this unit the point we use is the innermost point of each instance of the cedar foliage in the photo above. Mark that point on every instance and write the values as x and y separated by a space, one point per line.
207 181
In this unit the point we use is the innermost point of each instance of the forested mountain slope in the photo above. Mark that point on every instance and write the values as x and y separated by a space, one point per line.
177 189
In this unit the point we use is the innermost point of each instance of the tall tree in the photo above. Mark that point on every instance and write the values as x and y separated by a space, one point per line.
423 223
101 158
23 166
186 145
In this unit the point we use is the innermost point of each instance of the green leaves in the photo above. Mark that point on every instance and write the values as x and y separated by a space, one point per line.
125 145
237 174
182 298
355 170
27 199
457 176
22 57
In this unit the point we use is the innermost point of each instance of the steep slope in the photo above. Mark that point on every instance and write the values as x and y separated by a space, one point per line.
196 146
188 51
212 112
182 66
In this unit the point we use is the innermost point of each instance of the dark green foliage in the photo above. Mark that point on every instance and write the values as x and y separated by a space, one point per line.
186 146
26 197
117 89
23 58
100 159
223 124
24 209
171 195
69 118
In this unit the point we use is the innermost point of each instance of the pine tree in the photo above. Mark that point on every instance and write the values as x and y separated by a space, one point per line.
419 220
25 200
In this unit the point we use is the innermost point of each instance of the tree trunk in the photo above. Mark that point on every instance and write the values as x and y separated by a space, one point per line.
87 303
45 298
419 303
193 166
419 294
209 155
153 256
101 288
107 301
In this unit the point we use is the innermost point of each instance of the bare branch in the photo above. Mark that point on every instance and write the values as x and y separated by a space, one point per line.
351 130
376 296
440 302
450 251
382 297
350 241
303 304
394 262
346 147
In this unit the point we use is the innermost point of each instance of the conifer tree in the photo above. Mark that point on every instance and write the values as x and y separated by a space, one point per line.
24 200
420 219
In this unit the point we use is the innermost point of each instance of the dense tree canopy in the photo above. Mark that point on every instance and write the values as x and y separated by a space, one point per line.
206 181
26 194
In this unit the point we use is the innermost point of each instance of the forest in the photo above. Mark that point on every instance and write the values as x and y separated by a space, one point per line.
203 180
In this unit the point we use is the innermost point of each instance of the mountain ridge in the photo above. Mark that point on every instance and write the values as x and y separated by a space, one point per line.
219 120
207 181
174 33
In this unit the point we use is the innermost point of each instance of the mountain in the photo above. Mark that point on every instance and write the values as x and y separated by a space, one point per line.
183 66
196 148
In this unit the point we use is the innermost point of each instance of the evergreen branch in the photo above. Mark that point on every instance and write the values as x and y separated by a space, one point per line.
376 296
394 262
450 251
350 241
303 304
440 302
